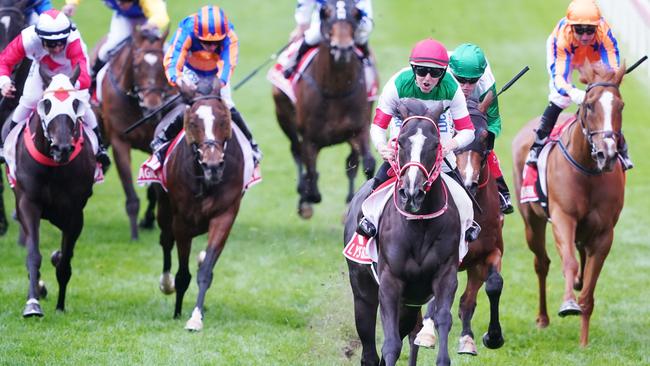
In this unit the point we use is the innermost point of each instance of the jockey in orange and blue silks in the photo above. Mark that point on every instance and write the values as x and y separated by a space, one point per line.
149 15
205 46
582 36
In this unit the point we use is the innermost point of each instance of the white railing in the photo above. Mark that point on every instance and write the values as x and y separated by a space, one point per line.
630 22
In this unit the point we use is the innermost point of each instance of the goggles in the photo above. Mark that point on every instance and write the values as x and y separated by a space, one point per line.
422 71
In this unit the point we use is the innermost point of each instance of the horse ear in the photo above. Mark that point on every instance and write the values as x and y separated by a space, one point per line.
586 72
325 12
188 131
402 111
435 113
47 79
43 107
75 74
164 35
618 77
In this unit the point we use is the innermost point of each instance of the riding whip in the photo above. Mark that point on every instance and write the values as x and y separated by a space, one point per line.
636 64
458 178
513 80
271 58
153 113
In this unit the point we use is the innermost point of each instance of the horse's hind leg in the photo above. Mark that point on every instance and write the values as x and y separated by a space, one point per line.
536 239
408 326
366 301
122 156
475 277
149 218
30 222
493 338
4 224
444 289
183 276
351 169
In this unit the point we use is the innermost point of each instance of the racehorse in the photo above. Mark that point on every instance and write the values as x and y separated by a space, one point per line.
585 194
55 167
331 105
204 182
417 240
134 84
12 19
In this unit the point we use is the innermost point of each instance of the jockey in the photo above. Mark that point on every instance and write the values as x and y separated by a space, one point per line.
472 71
150 15
34 8
204 46
54 44
427 80
582 36
307 17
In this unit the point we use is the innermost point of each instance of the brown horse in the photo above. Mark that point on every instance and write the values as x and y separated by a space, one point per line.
417 240
134 84
585 195
331 105
54 180
204 181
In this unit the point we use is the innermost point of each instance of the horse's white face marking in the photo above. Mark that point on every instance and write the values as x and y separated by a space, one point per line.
607 103
469 171
6 21
340 10
150 58
205 113
417 143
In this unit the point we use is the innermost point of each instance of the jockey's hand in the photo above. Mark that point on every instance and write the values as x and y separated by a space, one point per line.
449 146
186 87
9 90
69 9
298 32
577 95
387 152
150 28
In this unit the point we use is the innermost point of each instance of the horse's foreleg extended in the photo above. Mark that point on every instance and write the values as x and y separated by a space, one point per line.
30 215
564 229
309 189
122 157
536 239
390 292
493 338
69 237
475 277
183 276
149 217
444 289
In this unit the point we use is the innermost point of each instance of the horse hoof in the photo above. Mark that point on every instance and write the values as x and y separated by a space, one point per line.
466 346
33 308
200 258
305 210
577 285
542 322
55 258
425 339
167 283
195 323
569 307
42 290
493 342
146 223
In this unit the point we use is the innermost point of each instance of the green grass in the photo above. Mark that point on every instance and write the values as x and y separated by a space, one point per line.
280 293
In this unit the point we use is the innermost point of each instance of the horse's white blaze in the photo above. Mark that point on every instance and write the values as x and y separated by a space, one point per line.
606 101
469 171
417 143
205 113
6 21
150 58
340 10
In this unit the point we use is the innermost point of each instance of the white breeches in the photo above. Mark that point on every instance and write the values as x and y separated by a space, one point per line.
226 93
361 35
120 29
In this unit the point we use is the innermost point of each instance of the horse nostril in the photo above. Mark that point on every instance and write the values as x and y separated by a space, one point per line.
402 194
600 155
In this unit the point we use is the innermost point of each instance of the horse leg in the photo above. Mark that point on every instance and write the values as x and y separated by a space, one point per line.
596 255
4 224
30 222
166 242
577 284
369 162
218 232
475 277
183 276
493 338
413 354
564 228
309 157
444 289
122 157
536 239
390 292
366 301
426 336
147 221
69 237
351 168
408 324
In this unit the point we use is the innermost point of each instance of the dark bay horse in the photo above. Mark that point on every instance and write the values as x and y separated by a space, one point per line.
204 181
54 179
12 21
585 195
418 257
483 260
134 84
331 105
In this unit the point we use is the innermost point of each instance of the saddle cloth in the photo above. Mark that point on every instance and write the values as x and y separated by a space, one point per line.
11 143
275 75
152 171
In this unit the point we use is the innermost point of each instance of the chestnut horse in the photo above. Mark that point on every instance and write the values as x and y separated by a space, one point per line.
54 180
134 84
417 240
204 182
585 194
331 105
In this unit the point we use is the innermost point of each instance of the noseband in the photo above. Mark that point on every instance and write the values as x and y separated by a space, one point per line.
211 143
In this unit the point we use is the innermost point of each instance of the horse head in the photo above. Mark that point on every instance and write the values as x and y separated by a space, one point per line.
601 113
149 83
12 20
419 153
471 159
339 20
207 128
59 112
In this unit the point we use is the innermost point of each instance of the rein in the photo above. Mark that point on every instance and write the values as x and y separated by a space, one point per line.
43 159
431 175
208 143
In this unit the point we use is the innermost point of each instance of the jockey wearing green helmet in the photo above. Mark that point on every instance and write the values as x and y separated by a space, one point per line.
470 68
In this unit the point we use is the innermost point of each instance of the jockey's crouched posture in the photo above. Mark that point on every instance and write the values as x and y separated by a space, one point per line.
427 80
204 46
56 46
582 36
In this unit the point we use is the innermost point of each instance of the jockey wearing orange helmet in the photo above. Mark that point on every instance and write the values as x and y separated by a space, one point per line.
204 46
582 36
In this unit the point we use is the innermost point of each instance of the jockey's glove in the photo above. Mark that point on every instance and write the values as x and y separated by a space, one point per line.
577 96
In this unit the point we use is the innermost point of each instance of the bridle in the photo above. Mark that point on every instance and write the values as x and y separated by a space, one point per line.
208 143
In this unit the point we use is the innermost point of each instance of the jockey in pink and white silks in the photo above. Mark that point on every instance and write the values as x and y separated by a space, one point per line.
127 15
56 46
307 17
426 80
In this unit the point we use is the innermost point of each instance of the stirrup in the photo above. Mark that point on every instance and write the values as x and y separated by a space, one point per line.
626 161
2 154
288 72
472 232
103 159
257 153
366 228
532 157
505 203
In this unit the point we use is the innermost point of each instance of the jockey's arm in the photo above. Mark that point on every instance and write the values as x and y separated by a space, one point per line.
492 112
156 13
229 56
77 56
11 56
560 68
178 52
70 7
610 47
462 124
302 15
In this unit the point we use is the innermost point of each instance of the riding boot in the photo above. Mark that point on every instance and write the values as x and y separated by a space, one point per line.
239 121
472 232
102 155
365 54
547 122
504 196
624 154
167 133
12 124
293 61
93 73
